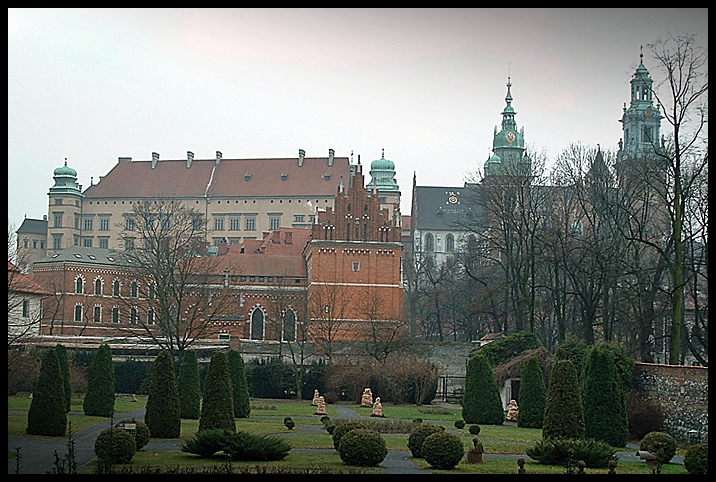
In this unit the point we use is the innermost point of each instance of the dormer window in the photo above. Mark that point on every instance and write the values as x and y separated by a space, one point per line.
284 176
327 176
247 176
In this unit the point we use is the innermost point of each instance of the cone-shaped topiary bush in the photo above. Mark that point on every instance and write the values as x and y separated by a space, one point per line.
47 414
163 411
65 370
242 400
605 415
564 412
189 384
217 407
533 395
99 399
481 402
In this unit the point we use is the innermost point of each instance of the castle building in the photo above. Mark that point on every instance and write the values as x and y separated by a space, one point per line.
338 275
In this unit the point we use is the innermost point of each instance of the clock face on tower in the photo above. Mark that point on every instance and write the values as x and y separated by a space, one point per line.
510 137
452 197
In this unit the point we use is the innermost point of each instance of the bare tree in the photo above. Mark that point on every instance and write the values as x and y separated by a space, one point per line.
182 290
327 306
384 336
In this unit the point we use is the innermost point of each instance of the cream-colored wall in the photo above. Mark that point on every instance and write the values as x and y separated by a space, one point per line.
18 325
259 206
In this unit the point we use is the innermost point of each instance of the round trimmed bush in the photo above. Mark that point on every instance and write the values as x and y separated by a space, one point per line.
343 428
362 447
419 434
474 429
696 460
651 442
141 436
115 446
443 450
459 424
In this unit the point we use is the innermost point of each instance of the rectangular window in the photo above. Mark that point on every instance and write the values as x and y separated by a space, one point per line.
274 223
104 243
234 224
25 308
198 223
129 223
312 218
115 315
56 241
299 218
88 224
34 244
104 224
87 242
78 219
356 266
224 336
78 312
251 224
133 316
150 317
219 224
58 220
58 201
97 314
42 245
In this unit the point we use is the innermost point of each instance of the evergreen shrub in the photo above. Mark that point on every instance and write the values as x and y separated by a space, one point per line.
605 415
459 424
217 408
343 428
564 412
443 450
48 414
363 448
141 434
481 402
474 429
660 444
644 416
163 411
115 446
562 451
189 385
419 434
533 395
65 370
696 460
100 396
239 385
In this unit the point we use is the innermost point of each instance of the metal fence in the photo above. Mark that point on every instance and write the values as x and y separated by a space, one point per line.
450 389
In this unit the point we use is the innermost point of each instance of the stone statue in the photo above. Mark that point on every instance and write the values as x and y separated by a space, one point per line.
315 398
321 409
377 408
513 411
366 398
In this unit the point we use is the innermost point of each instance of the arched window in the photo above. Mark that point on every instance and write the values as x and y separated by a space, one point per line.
79 285
429 243
150 316
289 325
257 324
98 286
449 243
134 290
117 287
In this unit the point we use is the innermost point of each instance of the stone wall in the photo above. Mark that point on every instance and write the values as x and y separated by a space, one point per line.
681 391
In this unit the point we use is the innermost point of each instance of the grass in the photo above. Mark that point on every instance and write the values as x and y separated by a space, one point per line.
266 418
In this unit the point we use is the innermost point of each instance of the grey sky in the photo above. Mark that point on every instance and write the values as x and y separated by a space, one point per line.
426 85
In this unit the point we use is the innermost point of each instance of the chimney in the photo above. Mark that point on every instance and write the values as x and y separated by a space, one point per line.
218 157
44 217
301 155
124 159
331 153
155 159
189 158
289 237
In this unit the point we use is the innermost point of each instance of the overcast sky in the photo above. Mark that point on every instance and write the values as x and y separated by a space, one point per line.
426 85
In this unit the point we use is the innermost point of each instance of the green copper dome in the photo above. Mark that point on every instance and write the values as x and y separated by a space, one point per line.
65 171
382 174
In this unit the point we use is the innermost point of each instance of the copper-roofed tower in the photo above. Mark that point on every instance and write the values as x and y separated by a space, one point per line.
353 264
65 210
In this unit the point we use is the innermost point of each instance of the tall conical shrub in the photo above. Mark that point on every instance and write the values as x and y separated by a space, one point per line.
564 412
481 403
65 370
242 400
217 406
100 396
605 415
47 414
189 386
163 411
533 395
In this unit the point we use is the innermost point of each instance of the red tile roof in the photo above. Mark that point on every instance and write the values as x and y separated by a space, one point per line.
171 178
23 283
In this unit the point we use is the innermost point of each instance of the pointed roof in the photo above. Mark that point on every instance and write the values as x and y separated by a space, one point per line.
20 282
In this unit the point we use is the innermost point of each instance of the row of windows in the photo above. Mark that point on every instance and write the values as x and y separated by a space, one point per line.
258 319
97 315
430 243
35 243
116 288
